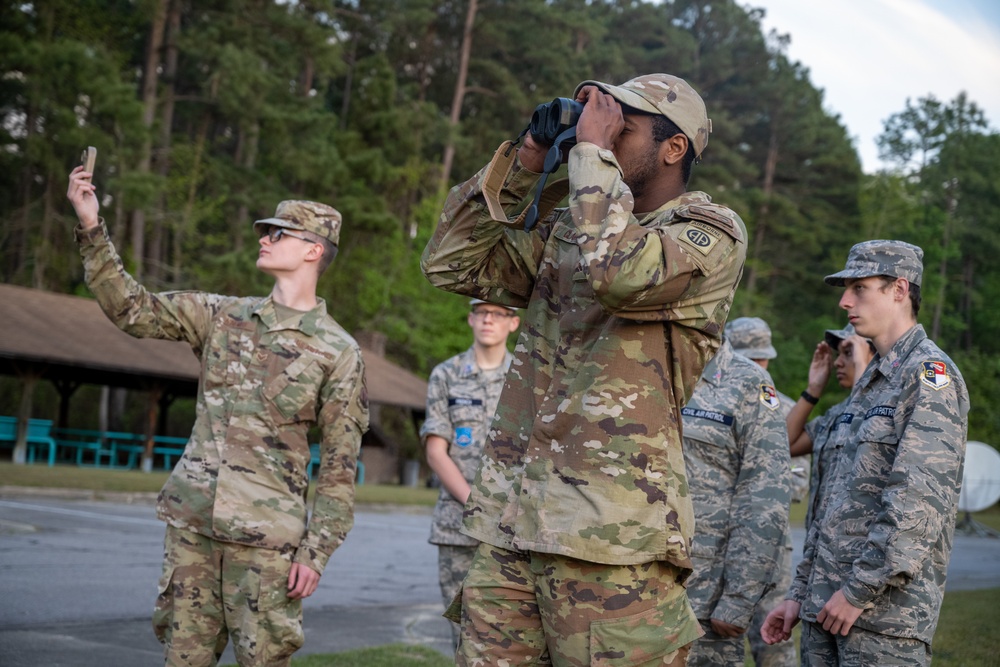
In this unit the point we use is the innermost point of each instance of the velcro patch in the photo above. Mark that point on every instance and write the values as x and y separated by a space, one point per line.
935 374
769 397
710 415
700 236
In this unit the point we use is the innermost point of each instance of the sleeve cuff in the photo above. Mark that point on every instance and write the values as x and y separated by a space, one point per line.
858 594
92 236
312 558
729 611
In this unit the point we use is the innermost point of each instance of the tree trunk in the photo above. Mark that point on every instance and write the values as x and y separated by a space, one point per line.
951 187
459 96
760 229
149 83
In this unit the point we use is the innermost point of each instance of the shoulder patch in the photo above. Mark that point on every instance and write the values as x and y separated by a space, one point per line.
700 236
769 397
934 374
713 215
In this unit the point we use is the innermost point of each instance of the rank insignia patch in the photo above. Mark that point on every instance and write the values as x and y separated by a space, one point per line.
769 397
935 374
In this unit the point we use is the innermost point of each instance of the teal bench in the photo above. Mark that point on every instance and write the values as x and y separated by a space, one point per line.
168 447
39 434
79 442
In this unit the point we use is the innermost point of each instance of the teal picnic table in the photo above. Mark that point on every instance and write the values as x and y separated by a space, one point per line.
39 435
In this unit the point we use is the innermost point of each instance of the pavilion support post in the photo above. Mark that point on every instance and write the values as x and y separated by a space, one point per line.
152 409
66 389
28 384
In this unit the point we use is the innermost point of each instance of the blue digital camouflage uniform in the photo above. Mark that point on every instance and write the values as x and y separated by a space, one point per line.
736 453
461 400
824 455
884 534
584 459
243 476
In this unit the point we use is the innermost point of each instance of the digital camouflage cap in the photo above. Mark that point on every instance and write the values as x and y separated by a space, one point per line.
751 337
897 259
476 302
666 95
306 216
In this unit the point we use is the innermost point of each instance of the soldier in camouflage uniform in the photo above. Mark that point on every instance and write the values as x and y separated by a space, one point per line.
239 552
751 338
735 451
581 500
871 580
853 355
462 396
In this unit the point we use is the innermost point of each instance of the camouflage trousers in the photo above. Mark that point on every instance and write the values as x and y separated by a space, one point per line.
714 650
211 590
453 564
860 648
781 654
543 609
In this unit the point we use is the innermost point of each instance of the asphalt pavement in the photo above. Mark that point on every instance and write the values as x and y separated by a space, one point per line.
78 581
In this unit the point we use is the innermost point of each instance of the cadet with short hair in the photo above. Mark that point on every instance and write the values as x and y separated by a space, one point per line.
462 396
736 454
240 552
581 500
871 580
853 355
751 338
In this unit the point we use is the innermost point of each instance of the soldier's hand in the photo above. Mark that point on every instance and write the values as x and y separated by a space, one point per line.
601 121
724 629
531 154
838 615
81 193
819 369
302 581
778 625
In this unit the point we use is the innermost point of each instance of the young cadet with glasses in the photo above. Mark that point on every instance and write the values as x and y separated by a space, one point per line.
240 553
462 395
581 501
871 580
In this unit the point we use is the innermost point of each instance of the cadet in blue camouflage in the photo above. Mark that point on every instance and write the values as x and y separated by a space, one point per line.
751 338
871 581
627 291
736 453
462 395
852 356
240 552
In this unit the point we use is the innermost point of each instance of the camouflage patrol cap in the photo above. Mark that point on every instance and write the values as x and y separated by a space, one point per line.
306 216
751 337
475 302
897 259
665 95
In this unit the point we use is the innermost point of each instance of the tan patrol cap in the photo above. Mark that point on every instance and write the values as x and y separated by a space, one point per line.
306 216
666 95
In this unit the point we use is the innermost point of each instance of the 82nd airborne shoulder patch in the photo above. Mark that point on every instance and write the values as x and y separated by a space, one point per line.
700 236
769 397
934 374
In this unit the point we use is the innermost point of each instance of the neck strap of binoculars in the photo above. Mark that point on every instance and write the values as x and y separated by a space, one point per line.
496 176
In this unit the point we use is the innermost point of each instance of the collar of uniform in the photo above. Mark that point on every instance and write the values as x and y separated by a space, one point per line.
308 323
469 367
686 198
900 350
715 368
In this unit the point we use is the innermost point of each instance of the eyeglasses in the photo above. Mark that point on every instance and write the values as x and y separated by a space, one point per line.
482 314
274 233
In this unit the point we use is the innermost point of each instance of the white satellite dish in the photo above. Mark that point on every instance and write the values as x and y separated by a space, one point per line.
980 485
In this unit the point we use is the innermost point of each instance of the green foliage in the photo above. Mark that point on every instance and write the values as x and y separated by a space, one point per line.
348 103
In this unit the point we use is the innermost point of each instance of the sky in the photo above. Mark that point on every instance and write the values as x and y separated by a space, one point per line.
869 56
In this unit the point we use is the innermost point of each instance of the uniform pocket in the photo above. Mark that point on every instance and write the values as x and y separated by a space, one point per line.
465 415
163 611
643 637
291 394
